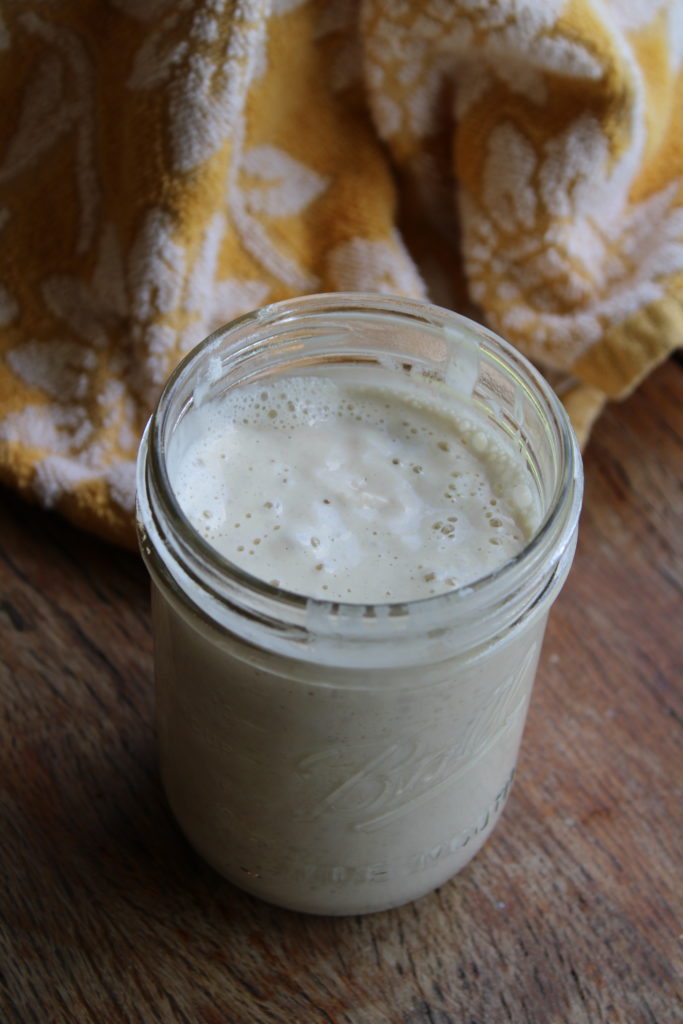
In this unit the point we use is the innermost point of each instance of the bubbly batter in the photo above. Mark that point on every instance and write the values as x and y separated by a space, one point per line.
343 490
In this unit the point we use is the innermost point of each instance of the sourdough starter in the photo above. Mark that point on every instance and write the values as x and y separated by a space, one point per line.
321 786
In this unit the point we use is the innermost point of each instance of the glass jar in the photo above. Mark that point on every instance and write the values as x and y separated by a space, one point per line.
344 758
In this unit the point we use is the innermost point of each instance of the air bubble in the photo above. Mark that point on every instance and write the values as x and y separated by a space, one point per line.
480 442
521 495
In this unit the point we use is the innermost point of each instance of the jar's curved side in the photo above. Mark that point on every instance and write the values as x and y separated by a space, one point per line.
334 798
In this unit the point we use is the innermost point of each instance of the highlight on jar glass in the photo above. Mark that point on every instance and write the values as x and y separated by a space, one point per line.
356 511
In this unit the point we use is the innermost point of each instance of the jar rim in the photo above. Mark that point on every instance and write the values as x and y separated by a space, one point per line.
200 559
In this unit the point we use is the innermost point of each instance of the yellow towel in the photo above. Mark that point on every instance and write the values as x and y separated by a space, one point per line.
168 164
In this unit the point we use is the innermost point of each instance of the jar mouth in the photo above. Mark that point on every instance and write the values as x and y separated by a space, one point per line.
204 564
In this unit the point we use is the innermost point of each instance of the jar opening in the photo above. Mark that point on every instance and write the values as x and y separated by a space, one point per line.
404 337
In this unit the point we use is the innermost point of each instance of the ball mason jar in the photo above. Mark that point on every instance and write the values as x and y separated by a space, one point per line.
344 758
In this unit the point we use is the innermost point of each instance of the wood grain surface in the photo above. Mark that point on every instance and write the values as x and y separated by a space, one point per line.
572 911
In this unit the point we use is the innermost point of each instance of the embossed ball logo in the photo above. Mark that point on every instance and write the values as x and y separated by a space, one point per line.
371 790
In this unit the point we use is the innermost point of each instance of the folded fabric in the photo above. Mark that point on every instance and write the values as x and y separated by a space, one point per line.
168 164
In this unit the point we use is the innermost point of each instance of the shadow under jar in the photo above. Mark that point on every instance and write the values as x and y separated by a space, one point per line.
347 756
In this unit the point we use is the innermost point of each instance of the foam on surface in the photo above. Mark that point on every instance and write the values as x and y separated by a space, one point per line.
351 491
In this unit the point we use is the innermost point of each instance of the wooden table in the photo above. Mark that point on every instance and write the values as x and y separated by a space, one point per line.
572 911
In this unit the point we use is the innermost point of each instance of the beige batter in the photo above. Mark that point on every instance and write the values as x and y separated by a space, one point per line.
325 788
